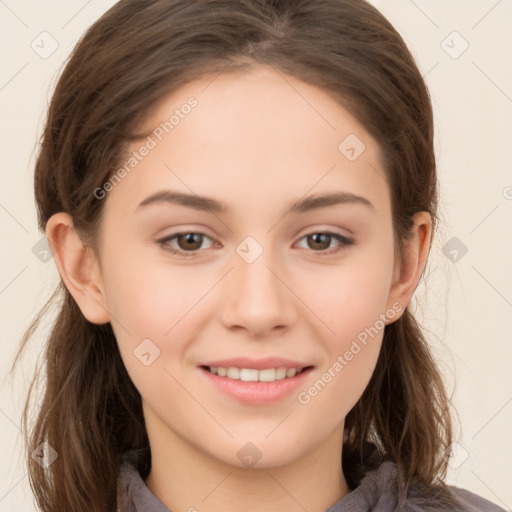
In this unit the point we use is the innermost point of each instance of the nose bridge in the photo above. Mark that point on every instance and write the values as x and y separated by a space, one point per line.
257 298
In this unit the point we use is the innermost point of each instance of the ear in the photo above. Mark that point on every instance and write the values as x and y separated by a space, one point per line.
407 275
78 268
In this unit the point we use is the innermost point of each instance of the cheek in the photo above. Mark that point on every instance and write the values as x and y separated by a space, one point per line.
351 304
149 299
338 385
154 302
349 300
354 317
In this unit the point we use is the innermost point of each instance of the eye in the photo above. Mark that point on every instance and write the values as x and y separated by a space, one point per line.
187 243
323 240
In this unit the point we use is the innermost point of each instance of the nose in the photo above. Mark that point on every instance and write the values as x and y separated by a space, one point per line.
258 299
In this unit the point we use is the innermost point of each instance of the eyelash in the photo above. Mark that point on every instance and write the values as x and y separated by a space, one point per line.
164 243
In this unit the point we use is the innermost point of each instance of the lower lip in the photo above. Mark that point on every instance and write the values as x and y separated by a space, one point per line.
257 393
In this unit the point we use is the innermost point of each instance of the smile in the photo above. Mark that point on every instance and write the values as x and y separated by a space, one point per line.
253 375
256 386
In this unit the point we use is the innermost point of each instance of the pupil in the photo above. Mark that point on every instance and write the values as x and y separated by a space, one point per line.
317 238
193 239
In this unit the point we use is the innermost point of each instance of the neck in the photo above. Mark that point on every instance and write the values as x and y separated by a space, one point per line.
184 478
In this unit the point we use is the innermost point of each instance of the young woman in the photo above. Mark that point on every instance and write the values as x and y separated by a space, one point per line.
240 197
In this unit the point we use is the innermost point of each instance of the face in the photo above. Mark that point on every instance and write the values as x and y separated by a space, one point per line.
262 275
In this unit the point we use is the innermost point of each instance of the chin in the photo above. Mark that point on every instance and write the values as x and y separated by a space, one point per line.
264 453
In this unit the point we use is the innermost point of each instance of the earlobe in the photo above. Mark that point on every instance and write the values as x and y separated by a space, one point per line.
415 253
78 268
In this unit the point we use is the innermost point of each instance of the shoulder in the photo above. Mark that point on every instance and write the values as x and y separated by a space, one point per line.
473 502
445 498
133 494
379 490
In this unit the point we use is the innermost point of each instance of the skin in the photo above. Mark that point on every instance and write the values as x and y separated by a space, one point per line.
257 141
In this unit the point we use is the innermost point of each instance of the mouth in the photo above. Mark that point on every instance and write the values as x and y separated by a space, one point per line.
256 382
255 375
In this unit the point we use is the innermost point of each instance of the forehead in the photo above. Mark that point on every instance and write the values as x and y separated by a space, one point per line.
252 137
255 105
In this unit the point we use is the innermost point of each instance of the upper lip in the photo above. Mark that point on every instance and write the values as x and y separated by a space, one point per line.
256 364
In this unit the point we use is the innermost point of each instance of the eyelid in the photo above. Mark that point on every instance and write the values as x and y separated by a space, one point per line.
343 240
164 242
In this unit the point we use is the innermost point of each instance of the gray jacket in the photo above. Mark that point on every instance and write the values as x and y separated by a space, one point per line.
376 492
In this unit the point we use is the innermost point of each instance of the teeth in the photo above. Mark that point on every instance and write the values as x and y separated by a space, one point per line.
252 375
249 375
267 375
281 373
233 373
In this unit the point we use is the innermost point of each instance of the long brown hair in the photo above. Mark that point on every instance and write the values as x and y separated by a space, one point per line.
132 57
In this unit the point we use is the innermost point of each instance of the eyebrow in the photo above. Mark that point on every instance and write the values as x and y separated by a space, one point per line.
202 203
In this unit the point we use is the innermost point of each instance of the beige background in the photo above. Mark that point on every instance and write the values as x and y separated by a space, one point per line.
467 308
